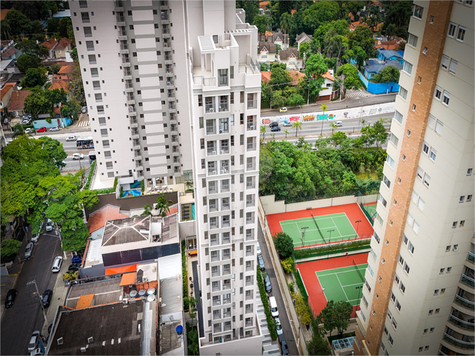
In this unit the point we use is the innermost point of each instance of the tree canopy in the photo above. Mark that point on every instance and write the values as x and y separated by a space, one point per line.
387 74
34 77
284 245
25 62
351 77
335 316
43 101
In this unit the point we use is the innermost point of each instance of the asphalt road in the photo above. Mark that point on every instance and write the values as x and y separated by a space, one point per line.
283 316
25 316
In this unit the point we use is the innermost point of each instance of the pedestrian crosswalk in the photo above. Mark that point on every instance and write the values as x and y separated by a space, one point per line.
360 93
83 123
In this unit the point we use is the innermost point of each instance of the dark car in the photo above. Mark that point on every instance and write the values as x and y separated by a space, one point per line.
275 128
285 348
47 296
274 124
268 284
260 261
11 295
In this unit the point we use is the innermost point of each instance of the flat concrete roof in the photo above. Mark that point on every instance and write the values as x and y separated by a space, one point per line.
126 230
112 329
107 291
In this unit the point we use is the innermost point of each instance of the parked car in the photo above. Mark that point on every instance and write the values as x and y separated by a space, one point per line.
29 130
47 296
258 249
28 250
33 340
36 352
284 347
78 156
287 124
49 225
267 284
42 129
58 261
275 128
73 268
54 128
284 109
77 259
71 138
35 238
84 109
273 124
260 261
278 327
25 121
11 295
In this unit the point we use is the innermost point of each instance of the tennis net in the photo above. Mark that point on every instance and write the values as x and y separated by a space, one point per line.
318 228
358 270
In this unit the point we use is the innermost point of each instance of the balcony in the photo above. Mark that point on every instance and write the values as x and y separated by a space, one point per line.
224 188
464 302
211 151
216 301
251 126
471 257
225 206
213 190
224 170
215 274
459 343
212 171
214 258
119 5
223 107
168 59
227 326
469 281
226 223
210 109
461 323
227 300
120 21
226 285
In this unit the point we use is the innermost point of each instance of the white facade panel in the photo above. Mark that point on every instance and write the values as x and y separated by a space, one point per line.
157 128
152 117
151 94
152 105
146 29
155 139
158 170
157 160
148 81
142 15
146 56
141 43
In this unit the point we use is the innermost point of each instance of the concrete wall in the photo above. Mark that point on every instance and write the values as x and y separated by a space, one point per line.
170 266
379 88
252 345
271 206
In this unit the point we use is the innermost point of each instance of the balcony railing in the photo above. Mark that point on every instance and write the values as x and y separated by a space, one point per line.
215 288
471 257
210 108
226 300
226 314
251 127
223 107
465 302
461 323
224 150
226 286
459 343
215 274
225 189
214 258
227 327
212 171
225 206
469 281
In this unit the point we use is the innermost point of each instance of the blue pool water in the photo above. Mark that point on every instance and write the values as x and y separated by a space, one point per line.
135 184
193 210
131 193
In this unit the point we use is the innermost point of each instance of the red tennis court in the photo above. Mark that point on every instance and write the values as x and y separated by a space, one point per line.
307 270
353 212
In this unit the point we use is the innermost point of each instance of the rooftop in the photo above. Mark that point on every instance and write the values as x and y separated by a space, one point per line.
112 329
17 101
121 231
103 292
98 218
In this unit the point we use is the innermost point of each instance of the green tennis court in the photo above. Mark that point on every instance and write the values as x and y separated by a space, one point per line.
319 229
343 284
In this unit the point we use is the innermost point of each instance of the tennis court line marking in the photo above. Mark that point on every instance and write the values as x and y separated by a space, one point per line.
329 274
342 287
339 233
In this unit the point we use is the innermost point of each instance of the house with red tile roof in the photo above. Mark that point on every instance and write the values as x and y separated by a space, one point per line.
97 220
63 46
50 44
6 94
4 13
355 24
383 43
17 102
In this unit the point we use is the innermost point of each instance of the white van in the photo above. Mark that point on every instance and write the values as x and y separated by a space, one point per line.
58 261
273 307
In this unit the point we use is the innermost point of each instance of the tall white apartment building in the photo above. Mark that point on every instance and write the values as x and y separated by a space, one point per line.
419 294
173 92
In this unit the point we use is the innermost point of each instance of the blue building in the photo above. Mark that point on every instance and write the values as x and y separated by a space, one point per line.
387 57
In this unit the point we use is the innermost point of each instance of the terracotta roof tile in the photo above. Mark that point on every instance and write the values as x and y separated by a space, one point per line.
17 102
296 75
98 219
63 43
60 84
7 87
265 76
4 13
50 43
328 76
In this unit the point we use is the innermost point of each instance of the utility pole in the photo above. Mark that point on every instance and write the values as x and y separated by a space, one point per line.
303 234
39 298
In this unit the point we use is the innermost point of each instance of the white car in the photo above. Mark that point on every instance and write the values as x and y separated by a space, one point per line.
77 156
35 237
49 226
71 138
29 130
54 128
258 249
33 341
84 109
28 250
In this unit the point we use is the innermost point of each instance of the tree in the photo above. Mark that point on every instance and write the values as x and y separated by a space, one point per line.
287 264
318 344
55 68
336 46
31 48
324 108
315 68
42 101
18 24
162 205
321 12
362 36
286 21
277 100
284 245
9 249
357 54
295 100
260 21
387 74
263 132
279 77
264 67
34 77
251 7
25 61
297 125
286 133
302 309
398 14
351 77
147 210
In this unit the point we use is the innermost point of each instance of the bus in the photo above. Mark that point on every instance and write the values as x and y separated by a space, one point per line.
92 155
86 142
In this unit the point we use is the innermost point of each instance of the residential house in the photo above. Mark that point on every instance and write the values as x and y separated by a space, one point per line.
279 38
327 92
389 54
50 44
63 46
296 76
302 38
385 58
6 94
17 102
267 53
291 58
3 13
384 43
355 24
8 50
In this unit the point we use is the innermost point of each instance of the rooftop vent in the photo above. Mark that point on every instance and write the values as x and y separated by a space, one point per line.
60 341
90 339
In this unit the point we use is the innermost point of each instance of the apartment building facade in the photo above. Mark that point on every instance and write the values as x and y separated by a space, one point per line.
419 291
173 92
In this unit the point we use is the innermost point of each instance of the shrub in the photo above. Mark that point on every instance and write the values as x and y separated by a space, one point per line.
89 177
284 245
302 308
288 264
291 287
331 249
184 272
265 302
9 249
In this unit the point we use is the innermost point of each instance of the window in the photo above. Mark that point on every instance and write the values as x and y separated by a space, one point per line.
393 297
396 279
390 339
438 93
438 126
437 311
420 204
426 179
394 324
417 11
406 268
390 161
398 116
461 33
386 181
469 171
432 153
431 311
412 40
407 67
87 32
394 139
85 17
453 66
425 148
223 77
442 290
469 198
446 97
402 287
462 223
444 63
451 31
90 45
442 270
405 239
449 269
424 51
401 260
382 200
402 92
410 247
